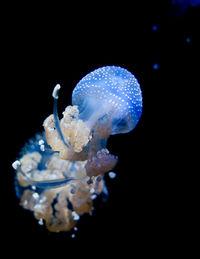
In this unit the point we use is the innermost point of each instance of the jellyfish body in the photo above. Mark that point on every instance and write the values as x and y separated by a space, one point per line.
62 171
109 91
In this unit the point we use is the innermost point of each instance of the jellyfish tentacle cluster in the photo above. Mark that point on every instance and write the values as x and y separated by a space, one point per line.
61 171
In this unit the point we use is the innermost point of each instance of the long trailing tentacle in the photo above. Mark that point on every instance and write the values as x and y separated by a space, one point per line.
46 184
55 113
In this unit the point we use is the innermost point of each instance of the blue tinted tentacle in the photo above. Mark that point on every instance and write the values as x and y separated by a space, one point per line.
55 113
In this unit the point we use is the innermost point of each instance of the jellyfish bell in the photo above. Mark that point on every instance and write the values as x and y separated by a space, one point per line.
109 96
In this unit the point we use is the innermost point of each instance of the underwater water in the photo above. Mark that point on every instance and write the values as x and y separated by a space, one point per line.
179 8
127 203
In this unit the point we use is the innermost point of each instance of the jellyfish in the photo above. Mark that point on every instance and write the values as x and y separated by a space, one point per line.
61 171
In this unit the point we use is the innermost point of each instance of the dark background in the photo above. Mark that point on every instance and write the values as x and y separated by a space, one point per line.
61 47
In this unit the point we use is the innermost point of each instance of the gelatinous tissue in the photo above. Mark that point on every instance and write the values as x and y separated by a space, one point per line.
61 171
